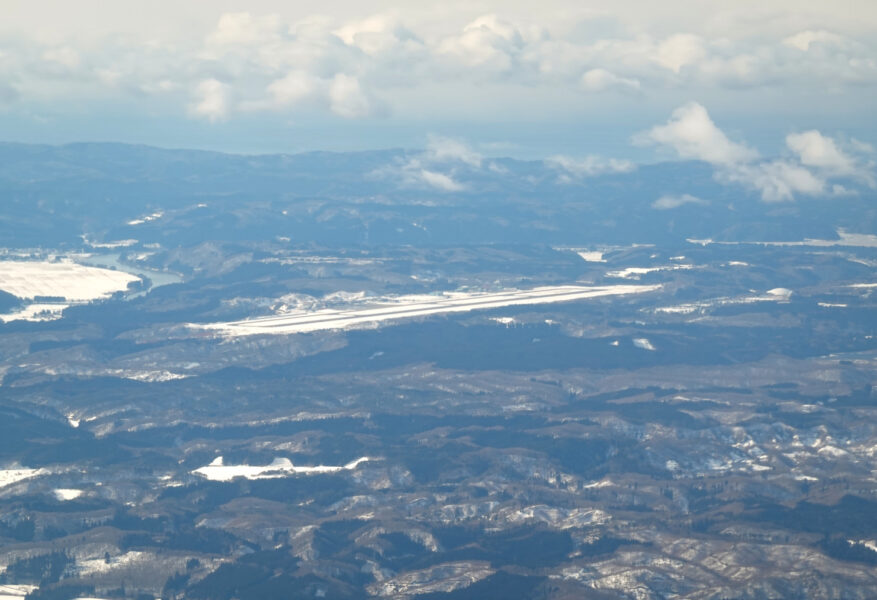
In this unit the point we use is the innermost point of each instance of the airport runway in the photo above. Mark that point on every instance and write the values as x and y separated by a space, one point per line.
405 307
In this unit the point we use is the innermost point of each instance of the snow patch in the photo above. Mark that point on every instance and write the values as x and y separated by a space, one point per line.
36 312
637 272
780 292
643 343
833 451
281 467
93 566
67 494
592 256
147 218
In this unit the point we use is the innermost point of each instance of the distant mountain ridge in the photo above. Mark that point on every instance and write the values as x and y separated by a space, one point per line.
53 195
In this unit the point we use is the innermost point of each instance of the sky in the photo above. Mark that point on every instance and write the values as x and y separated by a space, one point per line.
581 80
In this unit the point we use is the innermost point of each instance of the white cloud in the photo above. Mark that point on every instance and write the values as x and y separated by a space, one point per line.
449 154
64 56
776 181
377 34
398 59
243 28
588 166
347 98
601 80
212 100
8 93
805 39
293 88
488 42
817 150
825 154
443 149
862 147
680 50
440 181
415 173
669 202
691 134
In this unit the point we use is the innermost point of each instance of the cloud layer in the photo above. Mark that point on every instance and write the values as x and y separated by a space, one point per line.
360 68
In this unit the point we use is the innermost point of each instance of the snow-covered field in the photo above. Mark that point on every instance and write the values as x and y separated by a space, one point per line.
404 307
592 256
281 467
75 283
65 279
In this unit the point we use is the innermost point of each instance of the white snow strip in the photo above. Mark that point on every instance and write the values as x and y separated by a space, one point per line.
599 484
405 307
682 309
15 592
36 312
146 219
861 240
148 376
10 476
112 245
281 467
637 272
774 295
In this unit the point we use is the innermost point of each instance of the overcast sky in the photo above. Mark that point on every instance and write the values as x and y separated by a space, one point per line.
532 79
